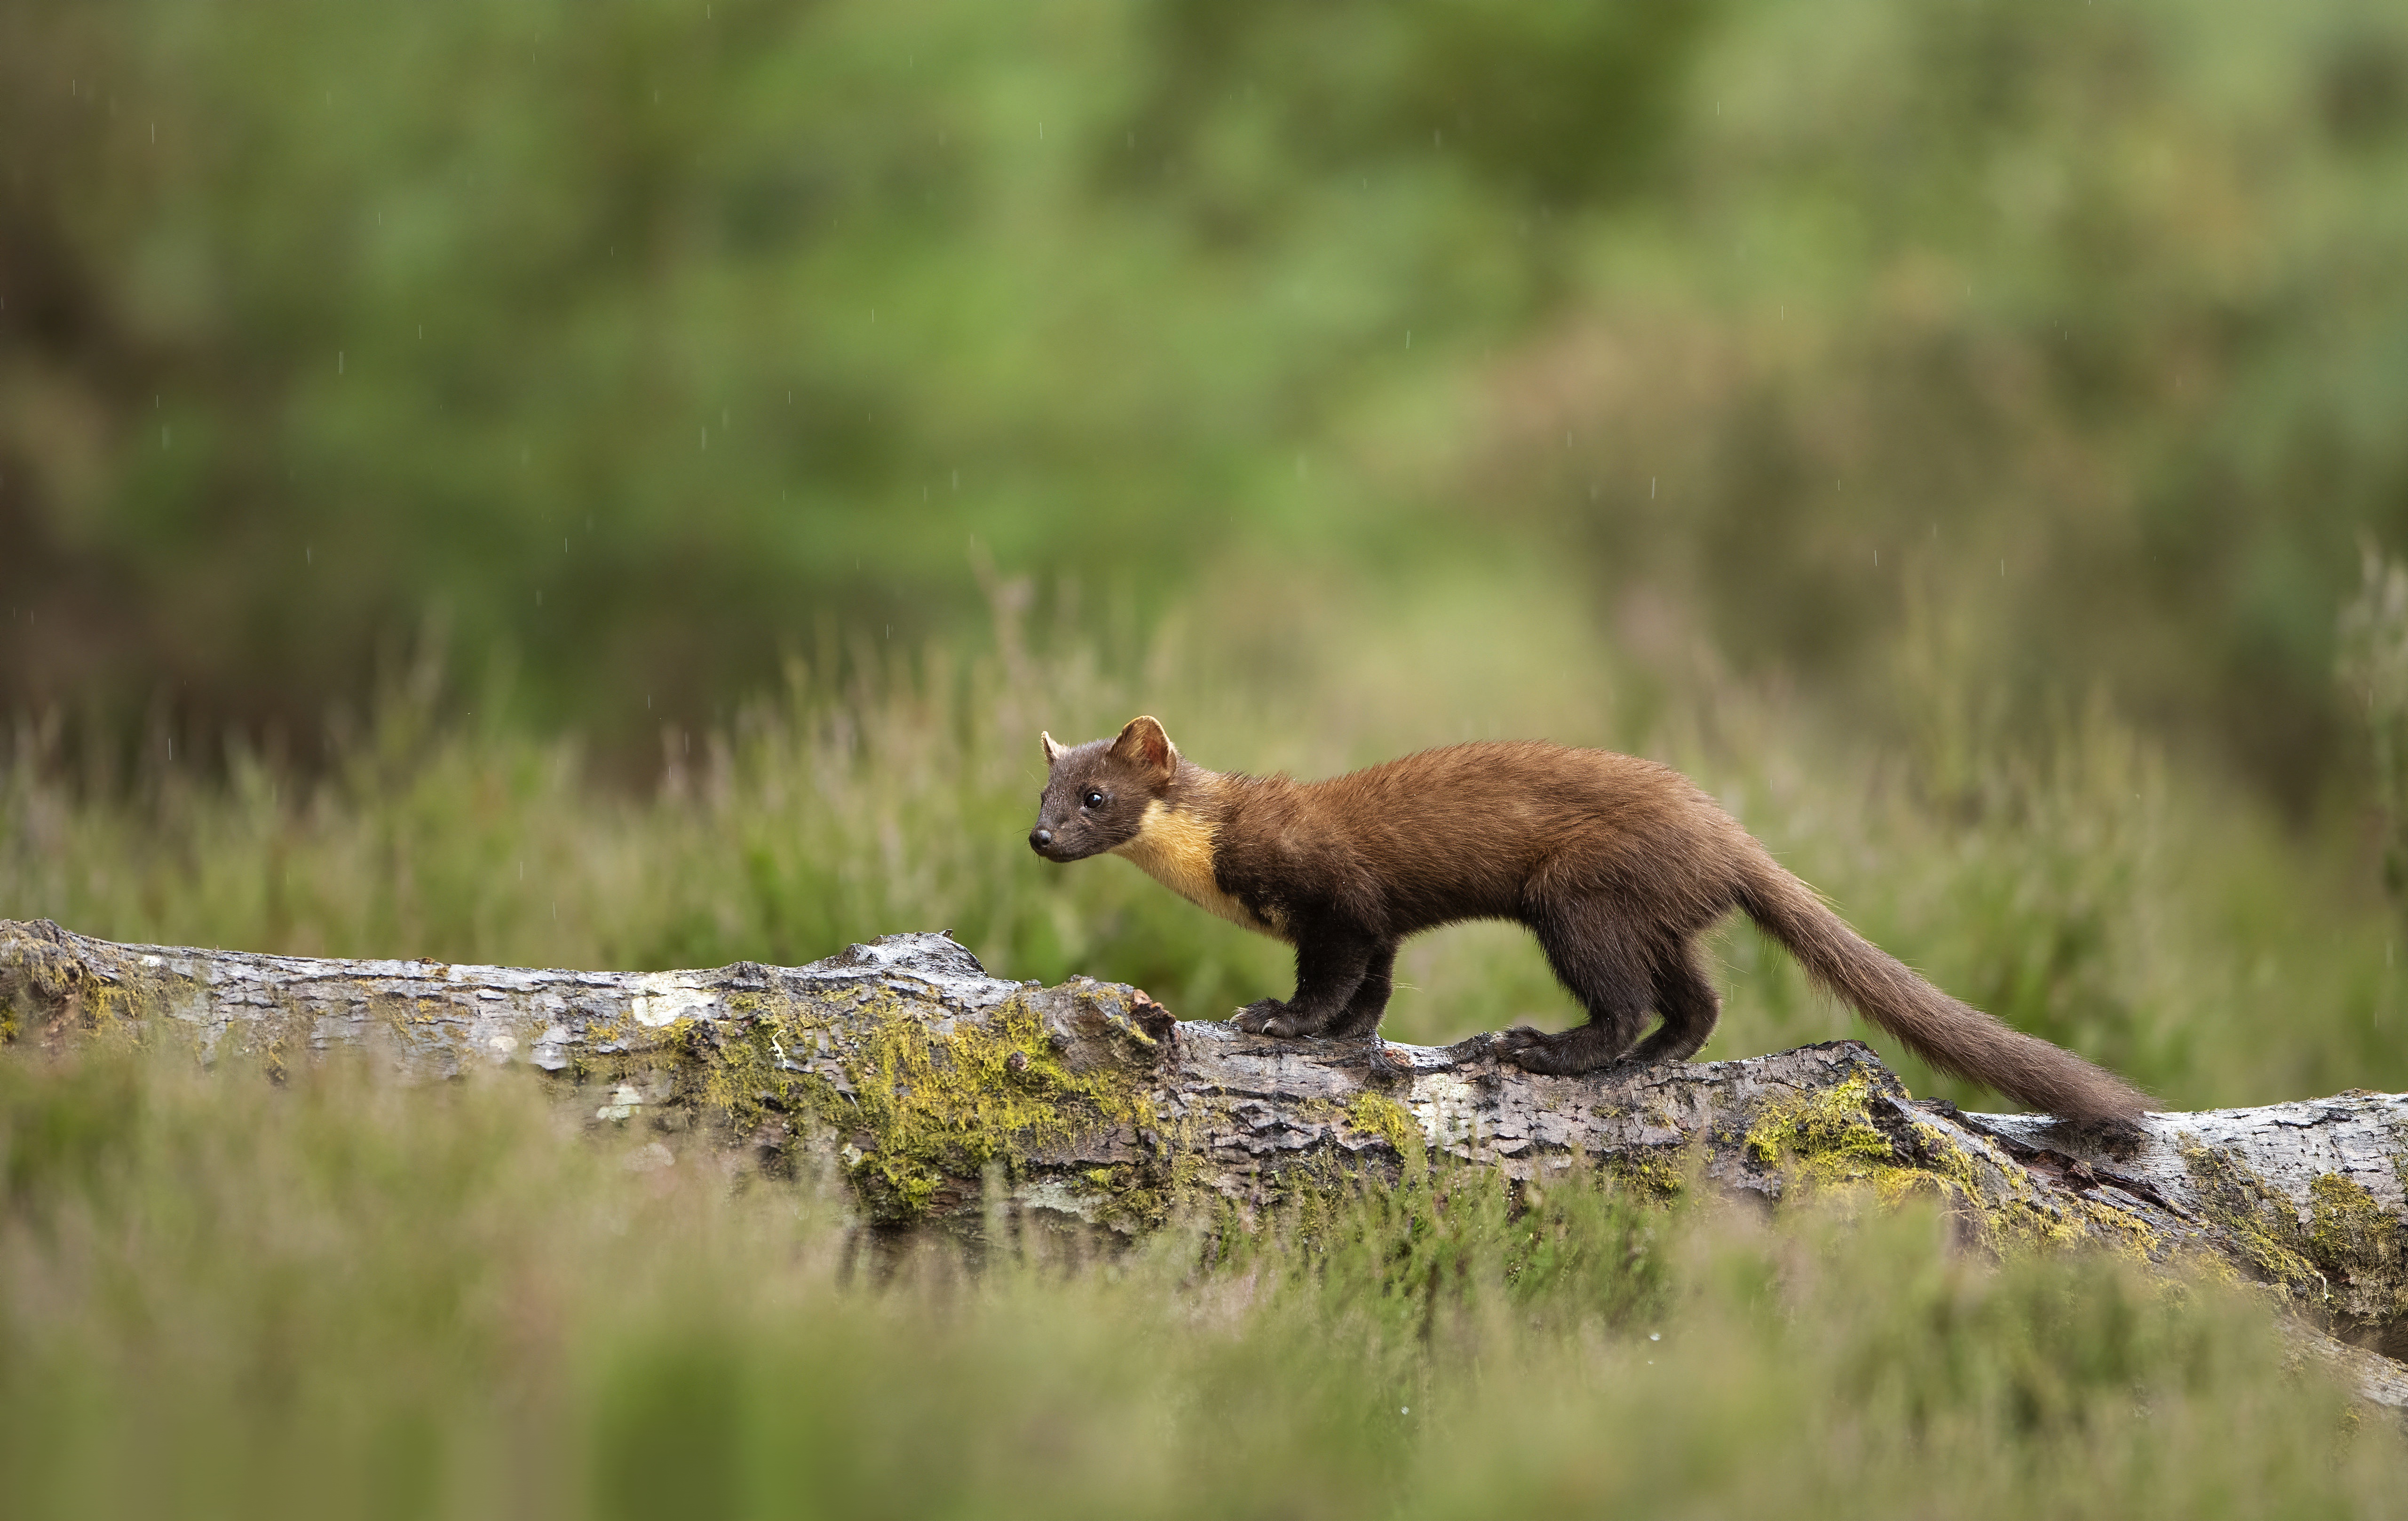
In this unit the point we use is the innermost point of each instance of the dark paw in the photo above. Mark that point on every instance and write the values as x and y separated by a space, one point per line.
1641 1055
1536 1058
1505 1043
1265 1016
1352 1026
1569 1054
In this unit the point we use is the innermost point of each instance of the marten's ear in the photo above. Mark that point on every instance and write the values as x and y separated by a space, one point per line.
1143 743
1053 750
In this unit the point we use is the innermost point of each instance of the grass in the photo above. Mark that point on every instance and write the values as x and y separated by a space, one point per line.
1969 345
2074 879
342 1296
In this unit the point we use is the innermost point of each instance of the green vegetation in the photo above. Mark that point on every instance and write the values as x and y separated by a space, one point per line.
337 1296
624 484
2051 344
2073 881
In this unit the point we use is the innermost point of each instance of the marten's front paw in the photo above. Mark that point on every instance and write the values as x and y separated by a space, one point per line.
1542 1056
1265 1016
1572 1053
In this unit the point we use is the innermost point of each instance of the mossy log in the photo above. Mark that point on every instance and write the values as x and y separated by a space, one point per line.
942 1094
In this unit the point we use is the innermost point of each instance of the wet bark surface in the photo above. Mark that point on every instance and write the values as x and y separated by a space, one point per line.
941 1094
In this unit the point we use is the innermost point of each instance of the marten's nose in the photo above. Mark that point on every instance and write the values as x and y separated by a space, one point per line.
1039 839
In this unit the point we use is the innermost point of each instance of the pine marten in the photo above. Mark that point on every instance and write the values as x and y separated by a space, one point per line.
1616 864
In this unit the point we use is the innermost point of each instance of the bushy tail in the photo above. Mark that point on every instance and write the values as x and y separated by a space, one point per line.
1955 1037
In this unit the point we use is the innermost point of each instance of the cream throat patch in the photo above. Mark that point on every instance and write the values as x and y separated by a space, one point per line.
1175 849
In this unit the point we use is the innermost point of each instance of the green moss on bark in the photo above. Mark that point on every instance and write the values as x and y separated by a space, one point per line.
1377 1114
2361 1249
940 1103
2258 1218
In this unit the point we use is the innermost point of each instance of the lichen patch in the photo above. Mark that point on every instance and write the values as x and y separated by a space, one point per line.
2361 1249
1377 1114
2261 1221
940 1108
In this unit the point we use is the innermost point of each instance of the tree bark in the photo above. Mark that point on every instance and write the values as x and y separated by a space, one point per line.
940 1094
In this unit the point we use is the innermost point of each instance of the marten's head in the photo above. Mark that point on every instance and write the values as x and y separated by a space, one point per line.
1095 795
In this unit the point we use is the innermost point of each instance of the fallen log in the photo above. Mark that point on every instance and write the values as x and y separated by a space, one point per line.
941 1094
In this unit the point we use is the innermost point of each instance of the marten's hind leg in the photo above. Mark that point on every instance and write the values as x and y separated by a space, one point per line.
1685 996
1361 1015
1594 953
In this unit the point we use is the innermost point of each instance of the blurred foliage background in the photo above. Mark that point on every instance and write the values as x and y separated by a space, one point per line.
637 341
622 483
684 449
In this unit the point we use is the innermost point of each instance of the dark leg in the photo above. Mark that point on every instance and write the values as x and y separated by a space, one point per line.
1370 1000
1329 967
1594 955
1685 996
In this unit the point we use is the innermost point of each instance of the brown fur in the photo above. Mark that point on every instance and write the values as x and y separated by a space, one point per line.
1616 864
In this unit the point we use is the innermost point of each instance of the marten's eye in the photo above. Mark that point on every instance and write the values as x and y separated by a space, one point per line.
1094 799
